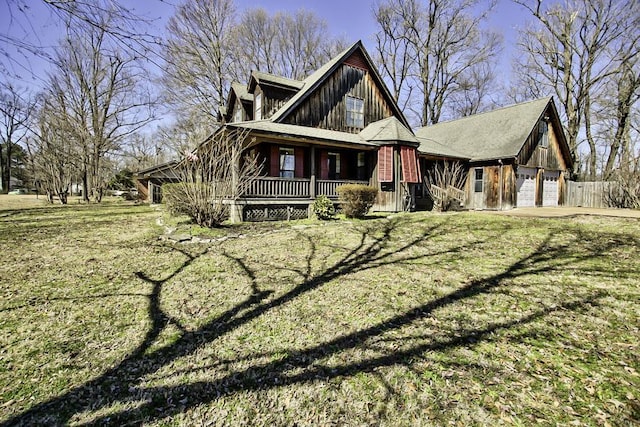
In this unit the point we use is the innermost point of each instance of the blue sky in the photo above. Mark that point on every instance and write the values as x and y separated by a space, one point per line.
351 19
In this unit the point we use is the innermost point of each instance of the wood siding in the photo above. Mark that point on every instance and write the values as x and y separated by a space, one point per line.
273 99
325 108
532 155
493 179
390 194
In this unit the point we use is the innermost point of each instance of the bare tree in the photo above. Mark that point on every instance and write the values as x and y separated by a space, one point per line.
20 42
54 156
302 44
141 151
618 105
396 59
254 40
95 87
289 45
445 183
441 44
15 113
199 56
571 50
213 175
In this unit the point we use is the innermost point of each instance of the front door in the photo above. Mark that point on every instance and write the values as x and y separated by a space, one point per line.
478 188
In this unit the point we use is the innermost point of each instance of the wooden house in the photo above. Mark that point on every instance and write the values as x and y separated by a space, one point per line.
339 125
515 156
149 181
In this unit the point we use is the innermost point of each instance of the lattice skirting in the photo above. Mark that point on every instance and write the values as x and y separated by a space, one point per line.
274 212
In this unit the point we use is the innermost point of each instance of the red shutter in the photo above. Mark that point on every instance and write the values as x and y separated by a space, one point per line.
409 158
275 160
385 163
324 165
299 167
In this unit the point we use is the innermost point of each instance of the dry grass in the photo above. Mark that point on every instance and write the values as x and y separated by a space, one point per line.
418 319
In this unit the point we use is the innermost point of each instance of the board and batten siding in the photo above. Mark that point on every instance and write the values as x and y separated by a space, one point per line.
273 99
532 155
388 201
325 108
492 180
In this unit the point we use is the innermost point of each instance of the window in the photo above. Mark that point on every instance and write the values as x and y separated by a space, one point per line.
287 163
355 112
543 134
334 165
258 107
477 187
238 115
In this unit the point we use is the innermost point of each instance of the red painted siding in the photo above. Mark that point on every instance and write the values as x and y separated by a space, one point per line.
275 160
299 167
324 165
357 60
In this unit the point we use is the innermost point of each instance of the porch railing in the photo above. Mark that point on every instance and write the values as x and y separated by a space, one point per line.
279 187
295 187
328 187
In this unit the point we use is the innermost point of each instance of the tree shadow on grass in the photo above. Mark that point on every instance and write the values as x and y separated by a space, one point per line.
123 383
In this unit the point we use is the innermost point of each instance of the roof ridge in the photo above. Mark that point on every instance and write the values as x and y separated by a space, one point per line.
506 107
274 75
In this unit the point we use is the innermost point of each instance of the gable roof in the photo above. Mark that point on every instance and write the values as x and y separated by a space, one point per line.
238 91
259 77
241 91
321 74
162 170
388 130
497 134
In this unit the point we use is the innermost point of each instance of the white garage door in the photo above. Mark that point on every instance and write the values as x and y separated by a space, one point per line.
550 188
526 185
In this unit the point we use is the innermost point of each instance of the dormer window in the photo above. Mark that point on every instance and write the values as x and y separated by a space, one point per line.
258 107
238 115
355 112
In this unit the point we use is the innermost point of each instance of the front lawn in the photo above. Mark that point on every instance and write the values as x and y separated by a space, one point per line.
416 319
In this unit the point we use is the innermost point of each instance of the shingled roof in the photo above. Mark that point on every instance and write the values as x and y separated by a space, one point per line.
389 130
260 77
241 91
497 134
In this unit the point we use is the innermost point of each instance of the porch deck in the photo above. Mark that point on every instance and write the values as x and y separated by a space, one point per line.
274 198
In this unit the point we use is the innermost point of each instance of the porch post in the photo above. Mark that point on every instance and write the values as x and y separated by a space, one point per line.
312 184
235 212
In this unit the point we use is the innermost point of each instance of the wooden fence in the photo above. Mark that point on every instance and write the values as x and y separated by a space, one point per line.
587 194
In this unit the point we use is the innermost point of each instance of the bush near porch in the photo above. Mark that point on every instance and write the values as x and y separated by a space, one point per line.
420 318
356 199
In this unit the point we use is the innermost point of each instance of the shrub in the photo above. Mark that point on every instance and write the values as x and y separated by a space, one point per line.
323 208
356 199
195 201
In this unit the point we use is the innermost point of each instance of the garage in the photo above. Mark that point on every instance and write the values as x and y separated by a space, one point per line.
550 188
526 185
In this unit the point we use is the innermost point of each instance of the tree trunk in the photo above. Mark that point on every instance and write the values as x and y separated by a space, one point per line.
6 168
3 186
